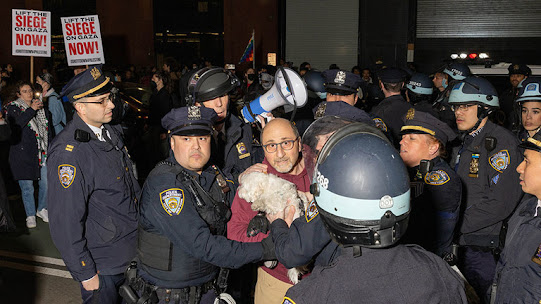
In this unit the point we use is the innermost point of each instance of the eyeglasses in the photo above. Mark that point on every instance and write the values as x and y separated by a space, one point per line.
286 145
102 101
463 107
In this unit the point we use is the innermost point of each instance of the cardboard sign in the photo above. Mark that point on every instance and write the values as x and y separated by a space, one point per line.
31 33
82 38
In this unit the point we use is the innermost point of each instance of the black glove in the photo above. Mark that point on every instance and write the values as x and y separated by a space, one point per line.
268 249
450 258
257 224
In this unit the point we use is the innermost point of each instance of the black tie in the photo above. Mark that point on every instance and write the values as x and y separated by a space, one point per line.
105 136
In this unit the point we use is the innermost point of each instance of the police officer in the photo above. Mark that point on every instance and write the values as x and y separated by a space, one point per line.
361 190
232 139
342 88
92 191
444 81
183 214
484 162
436 188
390 112
419 93
517 73
529 100
518 274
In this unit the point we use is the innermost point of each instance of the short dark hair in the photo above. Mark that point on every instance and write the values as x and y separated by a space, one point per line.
393 87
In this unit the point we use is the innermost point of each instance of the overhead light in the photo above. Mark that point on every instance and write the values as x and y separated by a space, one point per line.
483 55
454 56
472 56
463 56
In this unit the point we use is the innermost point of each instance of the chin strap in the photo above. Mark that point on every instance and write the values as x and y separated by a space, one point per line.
482 114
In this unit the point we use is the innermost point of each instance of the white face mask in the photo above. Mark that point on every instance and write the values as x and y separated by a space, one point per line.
322 95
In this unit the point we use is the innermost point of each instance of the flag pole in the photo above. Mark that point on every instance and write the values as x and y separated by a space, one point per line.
253 48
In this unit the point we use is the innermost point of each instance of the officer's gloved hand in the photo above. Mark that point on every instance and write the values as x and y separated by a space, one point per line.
258 223
268 249
450 258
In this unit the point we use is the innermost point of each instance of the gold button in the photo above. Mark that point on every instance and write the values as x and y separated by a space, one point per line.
127 169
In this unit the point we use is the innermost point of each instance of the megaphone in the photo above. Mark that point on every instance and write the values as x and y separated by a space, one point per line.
280 94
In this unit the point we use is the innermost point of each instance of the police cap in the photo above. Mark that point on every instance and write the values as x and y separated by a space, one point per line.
392 75
189 121
423 123
532 143
342 110
89 83
340 82
520 69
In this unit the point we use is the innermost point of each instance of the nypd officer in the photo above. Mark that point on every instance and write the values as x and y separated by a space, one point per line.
390 111
183 214
361 190
484 161
517 73
419 93
232 148
436 188
342 88
518 274
92 191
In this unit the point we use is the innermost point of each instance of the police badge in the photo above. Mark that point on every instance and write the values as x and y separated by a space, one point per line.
194 113
340 77
66 174
311 211
474 166
320 112
172 200
537 256
243 152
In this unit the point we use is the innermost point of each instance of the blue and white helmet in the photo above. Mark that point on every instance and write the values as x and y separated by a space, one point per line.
457 70
530 90
361 188
474 90
421 84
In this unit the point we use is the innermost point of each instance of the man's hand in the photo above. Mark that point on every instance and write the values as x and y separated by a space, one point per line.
257 224
37 104
264 118
91 284
287 215
254 168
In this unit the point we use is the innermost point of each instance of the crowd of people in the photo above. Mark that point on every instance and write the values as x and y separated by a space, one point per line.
420 187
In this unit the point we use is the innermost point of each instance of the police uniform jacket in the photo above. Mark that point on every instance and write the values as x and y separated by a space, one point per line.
435 205
392 110
195 241
238 153
491 189
23 153
399 274
92 201
518 273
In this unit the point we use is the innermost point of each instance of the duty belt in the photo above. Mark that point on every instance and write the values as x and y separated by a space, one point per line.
189 295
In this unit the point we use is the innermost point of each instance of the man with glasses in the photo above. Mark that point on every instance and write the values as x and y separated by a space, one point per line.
485 162
93 191
281 144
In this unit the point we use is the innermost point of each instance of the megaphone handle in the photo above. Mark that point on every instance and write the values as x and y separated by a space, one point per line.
254 117
288 83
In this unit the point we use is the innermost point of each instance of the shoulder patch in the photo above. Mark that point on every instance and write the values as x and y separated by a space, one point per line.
437 178
172 200
380 124
311 211
69 148
500 160
288 301
66 175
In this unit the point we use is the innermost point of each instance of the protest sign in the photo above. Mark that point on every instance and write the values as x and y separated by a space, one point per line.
31 33
82 38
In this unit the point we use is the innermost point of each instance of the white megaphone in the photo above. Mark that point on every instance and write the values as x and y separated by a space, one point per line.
280 94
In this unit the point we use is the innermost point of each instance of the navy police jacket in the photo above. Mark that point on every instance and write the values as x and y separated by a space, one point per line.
398 274
169 210
518 273
491 183
435 206
392 111
92 201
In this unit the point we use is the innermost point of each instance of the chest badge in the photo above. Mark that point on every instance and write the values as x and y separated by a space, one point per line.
537 256
66 174
500 160
321 109
172 200
243 152
474 166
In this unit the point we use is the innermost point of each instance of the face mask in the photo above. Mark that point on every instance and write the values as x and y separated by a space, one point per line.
251 77
321 95
444 83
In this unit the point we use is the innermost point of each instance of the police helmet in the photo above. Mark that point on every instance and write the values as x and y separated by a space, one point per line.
361 188
457 70
474 90
420 83
530 90
315 84
210 83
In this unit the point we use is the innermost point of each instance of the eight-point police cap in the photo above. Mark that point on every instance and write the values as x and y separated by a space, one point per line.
189 121
520 69
532 143
341 109
423 123
340 82
392 75
89 83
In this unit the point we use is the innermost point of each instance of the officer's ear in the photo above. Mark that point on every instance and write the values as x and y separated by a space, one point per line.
355 98
172 142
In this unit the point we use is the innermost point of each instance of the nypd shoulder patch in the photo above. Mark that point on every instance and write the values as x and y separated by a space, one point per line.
66 175
437 178
288 301
500 160
311 211
380 124
172 200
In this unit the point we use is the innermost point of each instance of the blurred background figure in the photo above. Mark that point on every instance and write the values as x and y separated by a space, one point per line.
54 105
